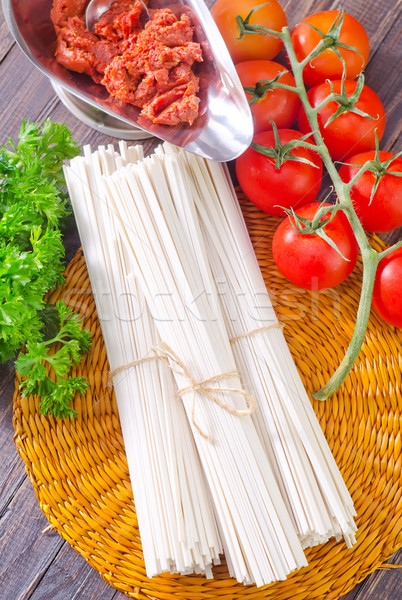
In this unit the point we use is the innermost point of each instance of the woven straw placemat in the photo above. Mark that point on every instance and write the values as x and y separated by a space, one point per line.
79 471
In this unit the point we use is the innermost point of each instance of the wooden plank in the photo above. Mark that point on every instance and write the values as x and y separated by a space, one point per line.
6 378
386 80
12 471
384 583
6 38
70 577
25 551
21 100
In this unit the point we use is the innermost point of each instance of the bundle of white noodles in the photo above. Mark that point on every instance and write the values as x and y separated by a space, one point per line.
311 484
169 228
259 538
175 514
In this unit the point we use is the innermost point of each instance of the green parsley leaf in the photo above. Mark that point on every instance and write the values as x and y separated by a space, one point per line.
33 207
45 365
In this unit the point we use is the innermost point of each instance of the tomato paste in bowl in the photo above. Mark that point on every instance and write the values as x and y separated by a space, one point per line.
215 121
149 67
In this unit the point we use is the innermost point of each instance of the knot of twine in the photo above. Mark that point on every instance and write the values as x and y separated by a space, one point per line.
164 353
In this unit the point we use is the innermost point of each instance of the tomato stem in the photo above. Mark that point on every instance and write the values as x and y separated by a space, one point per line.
282 152
330 98
363 169
330 39
370 257
320 47
370 260
324 210
303 144
247 28
390 249
284 86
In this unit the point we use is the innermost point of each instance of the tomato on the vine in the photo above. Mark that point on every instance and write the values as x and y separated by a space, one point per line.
292 184
309 261
387 294
328 65
383 210
250 46
282 106
349 133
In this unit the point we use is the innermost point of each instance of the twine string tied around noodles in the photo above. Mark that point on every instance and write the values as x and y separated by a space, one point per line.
134 363
246 334
164 353
155 356
204 387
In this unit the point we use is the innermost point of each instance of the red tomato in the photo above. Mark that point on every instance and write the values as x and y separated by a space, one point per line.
250 47
328 65
280 105
309 261
292 185
384 212
349 133
387 295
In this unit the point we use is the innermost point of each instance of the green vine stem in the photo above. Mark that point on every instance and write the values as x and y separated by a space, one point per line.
391 249
370 257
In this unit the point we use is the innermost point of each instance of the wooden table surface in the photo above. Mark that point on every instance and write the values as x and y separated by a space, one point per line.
40 565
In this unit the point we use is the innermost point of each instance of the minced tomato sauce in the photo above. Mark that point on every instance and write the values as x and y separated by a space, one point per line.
150 67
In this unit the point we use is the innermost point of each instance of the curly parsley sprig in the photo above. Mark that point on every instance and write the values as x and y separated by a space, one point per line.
46 364
32 209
